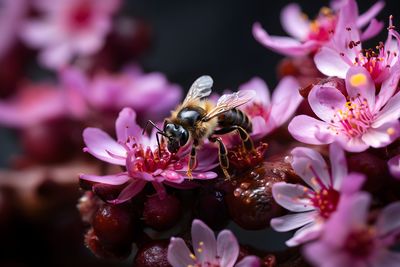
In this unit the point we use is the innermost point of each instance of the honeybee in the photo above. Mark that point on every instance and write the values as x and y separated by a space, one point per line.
198 119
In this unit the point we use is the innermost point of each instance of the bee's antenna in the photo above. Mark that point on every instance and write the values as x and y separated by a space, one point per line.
154 125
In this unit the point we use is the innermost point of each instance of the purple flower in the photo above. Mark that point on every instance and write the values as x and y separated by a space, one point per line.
308 36
268 114
143 162
11 16
33 104
349 240
112 92
358 119
69 28
208 251
342 52
316 202
394 166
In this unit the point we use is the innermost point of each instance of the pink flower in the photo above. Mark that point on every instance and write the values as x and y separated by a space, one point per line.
348 240
33 104
208 251
358 119
308 35
268 114
69 28
342 52
316 202
112 92
143 162
394 166
11 15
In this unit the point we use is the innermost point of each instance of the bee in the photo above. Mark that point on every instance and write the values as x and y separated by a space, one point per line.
198 119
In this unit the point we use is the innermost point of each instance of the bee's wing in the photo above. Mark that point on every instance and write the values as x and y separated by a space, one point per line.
230 101
199 89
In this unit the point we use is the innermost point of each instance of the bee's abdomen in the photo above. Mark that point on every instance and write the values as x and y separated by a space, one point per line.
235 117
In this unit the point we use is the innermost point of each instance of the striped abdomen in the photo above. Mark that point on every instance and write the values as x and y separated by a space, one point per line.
235 117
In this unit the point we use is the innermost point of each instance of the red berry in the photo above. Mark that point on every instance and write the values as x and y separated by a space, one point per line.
152 254
162 214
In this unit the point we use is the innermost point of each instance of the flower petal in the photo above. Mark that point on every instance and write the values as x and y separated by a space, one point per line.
355 144
389 219
307 233
390 112
284 45
382 136
352 183
310 130
126 127
292 196
363 19
178 253
388 88
227 248
326 101
387 258
249 261
294 22
102 146
360 84
311 167
331 63
116 179
130 191
204 243
374 28
338 164
293 221
394 166
260 87
172 176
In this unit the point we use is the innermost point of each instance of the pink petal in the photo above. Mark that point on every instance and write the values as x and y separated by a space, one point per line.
389 113
249 261
178 253
101 145
338 165
160 189
311 167
116 179
227 248
305 234
322 255
285 100
326 101
389 219
293 221
204 243
294 22
56 56
360 84
394 166
331 63
284 45
310 130
374 28
260 87
292 196
382 136
387 259
172 176
367 16
125 126
134 188
388 87
355 144
352 183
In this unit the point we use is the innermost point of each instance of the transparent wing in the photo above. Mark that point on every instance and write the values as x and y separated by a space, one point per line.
230 101
199 89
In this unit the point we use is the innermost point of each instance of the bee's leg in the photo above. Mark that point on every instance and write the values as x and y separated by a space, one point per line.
223 156
244 136
192 159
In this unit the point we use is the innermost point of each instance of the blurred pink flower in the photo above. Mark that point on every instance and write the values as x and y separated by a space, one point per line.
316 204
140 155
394 166
11 15
308 35
69 28
342 52
268 114
33 104
348 240
358 119
208 251
151 95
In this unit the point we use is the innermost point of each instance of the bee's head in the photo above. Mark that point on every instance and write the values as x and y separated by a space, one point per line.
177 136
